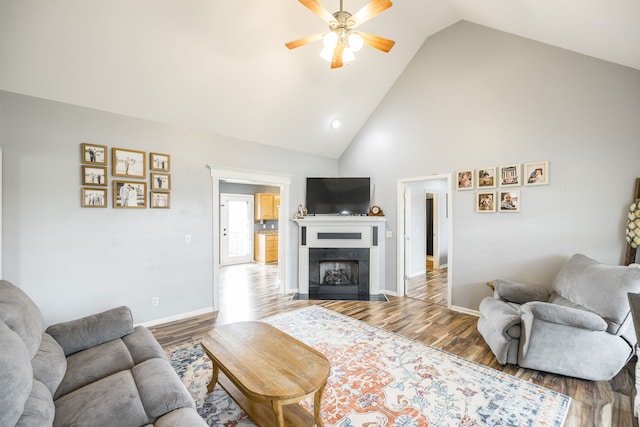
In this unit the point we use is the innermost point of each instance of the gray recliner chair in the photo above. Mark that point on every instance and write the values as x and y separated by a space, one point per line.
581 327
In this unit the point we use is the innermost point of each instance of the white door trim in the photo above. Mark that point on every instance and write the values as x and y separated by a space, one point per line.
251 177
400 248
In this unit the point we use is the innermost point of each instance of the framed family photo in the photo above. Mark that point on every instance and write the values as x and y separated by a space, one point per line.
486 177
465 180
509 201
160 181
485 202
129 163
94 197
536 173
94 175
160 200
93 154
159 162
510 175
131 195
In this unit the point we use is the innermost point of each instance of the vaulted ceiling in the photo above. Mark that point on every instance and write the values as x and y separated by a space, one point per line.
222 67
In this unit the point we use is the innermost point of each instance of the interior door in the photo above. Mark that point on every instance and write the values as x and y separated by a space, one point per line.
236 228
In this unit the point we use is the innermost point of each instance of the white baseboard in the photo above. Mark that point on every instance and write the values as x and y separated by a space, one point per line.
465 310
176 317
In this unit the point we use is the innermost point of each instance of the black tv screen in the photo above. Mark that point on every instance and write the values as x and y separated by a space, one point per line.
338 196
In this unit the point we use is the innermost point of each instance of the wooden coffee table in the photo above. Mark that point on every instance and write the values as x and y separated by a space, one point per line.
267 371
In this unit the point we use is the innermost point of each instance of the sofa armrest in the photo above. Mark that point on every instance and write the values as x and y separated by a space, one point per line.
519 292
563 315
80 334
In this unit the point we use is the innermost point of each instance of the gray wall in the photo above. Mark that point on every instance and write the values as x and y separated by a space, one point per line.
474 97
75 261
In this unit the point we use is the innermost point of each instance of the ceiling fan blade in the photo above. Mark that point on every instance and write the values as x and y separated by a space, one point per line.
305 40
377 42
336 61
370 10
318 9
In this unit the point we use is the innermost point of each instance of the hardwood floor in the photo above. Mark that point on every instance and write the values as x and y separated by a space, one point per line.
429 287
249 292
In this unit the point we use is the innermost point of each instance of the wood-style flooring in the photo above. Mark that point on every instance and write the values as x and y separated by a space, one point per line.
250 292
430 286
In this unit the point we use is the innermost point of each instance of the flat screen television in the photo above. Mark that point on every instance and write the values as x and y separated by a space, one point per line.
338 196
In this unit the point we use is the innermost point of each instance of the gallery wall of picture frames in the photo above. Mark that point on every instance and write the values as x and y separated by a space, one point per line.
504 178
129 186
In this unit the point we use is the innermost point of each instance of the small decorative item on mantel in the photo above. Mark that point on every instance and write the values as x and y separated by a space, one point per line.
302 212
375 211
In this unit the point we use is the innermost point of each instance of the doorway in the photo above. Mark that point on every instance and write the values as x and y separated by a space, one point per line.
424 238
236 224
282 182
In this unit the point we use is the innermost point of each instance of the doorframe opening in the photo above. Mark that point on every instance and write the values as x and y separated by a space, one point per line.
402 237
250 208
283 182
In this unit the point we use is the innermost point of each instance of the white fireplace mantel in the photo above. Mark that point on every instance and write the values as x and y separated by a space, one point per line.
342 232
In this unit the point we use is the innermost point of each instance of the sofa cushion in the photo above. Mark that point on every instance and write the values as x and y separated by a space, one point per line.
39 409
182 417
16 375
49 364
113 401
160 387
582 279
92 364
142 345
21 314
80 334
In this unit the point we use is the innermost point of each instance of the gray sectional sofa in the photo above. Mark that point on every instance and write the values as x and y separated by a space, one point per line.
94 371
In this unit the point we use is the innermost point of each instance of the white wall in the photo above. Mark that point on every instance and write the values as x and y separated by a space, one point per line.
475 97
76 261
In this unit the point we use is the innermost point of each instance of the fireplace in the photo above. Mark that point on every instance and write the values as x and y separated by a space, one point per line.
339 271
341 257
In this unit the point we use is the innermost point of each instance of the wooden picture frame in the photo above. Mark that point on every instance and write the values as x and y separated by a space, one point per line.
159 162
129 194
509 201
93 154
486 177
129 163
160 200
536 173
94 175
510 175
486 201
161 181
465 179
94 198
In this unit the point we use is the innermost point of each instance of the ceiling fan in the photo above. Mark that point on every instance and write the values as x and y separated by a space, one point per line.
341 41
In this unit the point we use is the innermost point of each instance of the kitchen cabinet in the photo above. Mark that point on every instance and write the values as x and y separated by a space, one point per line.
265 248
266 206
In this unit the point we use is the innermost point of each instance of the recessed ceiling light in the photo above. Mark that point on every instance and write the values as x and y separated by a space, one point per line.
335 123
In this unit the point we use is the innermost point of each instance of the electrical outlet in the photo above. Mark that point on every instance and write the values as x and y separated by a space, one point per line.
155 301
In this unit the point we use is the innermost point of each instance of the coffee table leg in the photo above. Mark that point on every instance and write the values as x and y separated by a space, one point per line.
214 377
317 404
277 408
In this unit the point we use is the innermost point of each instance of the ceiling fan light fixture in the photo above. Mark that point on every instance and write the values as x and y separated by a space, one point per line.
330 39
327 54
355 41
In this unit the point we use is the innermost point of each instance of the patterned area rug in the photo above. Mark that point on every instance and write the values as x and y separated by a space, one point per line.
379 378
